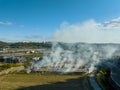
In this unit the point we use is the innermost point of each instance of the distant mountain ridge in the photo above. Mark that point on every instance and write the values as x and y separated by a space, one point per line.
25 45
49 44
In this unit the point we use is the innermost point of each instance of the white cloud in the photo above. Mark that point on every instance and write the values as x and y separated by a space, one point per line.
6 23
89 31
113 23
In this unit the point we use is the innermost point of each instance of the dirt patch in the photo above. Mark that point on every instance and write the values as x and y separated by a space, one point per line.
12 69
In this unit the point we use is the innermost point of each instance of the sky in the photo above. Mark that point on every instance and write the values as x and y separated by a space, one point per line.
37 20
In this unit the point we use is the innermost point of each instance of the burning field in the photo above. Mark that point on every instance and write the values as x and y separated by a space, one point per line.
75 57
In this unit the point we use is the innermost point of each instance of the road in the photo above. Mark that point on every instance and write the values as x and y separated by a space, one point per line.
115 72
94 83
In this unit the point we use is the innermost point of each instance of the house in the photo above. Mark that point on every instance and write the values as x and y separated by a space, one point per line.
8 60
15 59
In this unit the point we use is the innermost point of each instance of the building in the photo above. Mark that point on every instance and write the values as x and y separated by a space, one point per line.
14 59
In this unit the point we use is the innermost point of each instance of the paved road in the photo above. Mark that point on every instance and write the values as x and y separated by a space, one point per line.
115 75
115 72
94 83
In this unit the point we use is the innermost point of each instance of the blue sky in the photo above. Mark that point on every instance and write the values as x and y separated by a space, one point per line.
33 20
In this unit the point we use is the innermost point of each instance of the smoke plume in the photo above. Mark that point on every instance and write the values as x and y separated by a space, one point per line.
68 54
70 57
89 31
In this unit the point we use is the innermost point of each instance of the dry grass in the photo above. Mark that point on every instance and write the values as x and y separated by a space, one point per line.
30 81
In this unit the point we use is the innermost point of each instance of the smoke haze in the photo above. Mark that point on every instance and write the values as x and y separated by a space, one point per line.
89 31
69 57
72 55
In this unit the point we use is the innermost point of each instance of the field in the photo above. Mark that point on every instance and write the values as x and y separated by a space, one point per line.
43 82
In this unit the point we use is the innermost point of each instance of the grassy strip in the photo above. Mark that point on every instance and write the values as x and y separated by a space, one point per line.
31 55
8 65
102 79
100 83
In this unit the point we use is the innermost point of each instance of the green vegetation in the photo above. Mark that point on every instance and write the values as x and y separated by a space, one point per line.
31 55
3 44
27 63
23 45
102 79
30 45
8 65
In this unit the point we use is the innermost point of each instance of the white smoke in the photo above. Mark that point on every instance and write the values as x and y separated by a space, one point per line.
66 57
71 55
89 31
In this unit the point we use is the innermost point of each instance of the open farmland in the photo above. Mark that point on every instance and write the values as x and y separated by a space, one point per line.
43 82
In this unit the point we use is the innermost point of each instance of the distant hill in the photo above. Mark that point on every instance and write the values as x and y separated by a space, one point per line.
25 45
3 44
